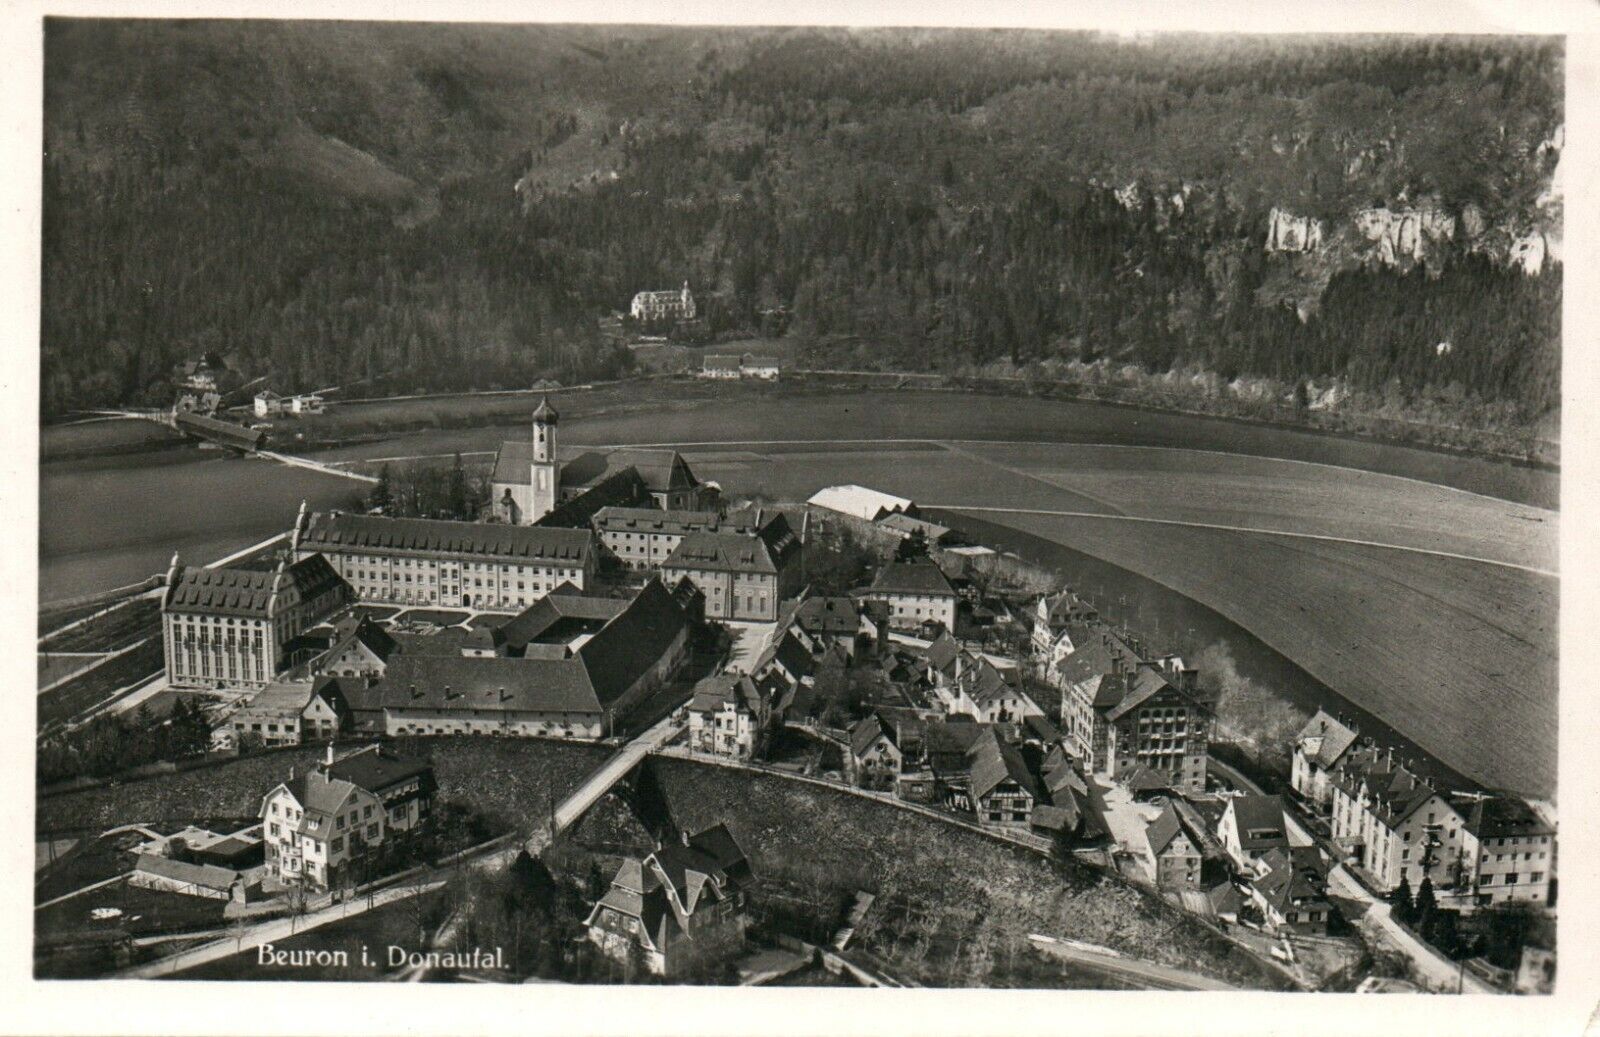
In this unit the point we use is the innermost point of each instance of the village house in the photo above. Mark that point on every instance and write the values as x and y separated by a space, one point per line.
730 715
1174 850
743 577
1053 617
915 592
237 628
1251 827
568 667
876 753
1291 891
1318 750
268 404
362 652
761 368
822 621
292 712
719 366
668 305
409 561
321 827
680 906
786 657
533 476
906 526
1002 789
644 538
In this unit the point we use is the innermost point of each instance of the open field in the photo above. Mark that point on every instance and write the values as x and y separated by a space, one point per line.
1459 656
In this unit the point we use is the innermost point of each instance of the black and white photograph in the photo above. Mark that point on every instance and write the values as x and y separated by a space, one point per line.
832 509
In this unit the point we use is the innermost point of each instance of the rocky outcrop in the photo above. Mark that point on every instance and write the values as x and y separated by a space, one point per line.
1287 232
1400 235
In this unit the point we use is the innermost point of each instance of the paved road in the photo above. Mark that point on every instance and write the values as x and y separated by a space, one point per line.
1144 974
276 929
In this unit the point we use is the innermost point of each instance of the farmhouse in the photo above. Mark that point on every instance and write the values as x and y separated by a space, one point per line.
237 627
290 712
680 905
1175 851
268 404
407 561
531 477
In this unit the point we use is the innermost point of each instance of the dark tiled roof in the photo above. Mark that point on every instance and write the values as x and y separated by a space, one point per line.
1503 817
673 522
1260 823
247 593
912 578
767 552
565 602
828 615
622 487
992 761
377 769
473 541
712 693
1163 830
865 733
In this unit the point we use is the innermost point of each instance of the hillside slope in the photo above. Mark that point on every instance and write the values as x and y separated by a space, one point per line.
454 205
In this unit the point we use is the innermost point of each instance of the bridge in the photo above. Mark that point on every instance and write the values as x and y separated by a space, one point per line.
603 780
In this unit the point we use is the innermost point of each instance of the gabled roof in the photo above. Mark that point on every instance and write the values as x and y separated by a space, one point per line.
721 362
828 615
566 602
663 470
788 653
377 769
713 694
370 636
992 761
625 486
866 733
204 876
1324 740
472 541
1141 686
902 523
1503 817
1293 875
673 522
1259 822
767 552
278 700
1163 830
923 578
942 653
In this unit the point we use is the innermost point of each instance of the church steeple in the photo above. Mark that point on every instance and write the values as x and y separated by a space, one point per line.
545 476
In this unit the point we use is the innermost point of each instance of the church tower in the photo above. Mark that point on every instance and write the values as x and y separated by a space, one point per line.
546 481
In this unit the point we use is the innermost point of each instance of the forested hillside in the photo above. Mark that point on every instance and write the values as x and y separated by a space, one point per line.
404 206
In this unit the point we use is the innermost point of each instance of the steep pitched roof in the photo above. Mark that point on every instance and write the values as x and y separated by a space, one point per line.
866 733
675 522
1503 817
1324 740
564 603
1259 820
1293 875
923 578
992 761
1163 830
625 486
377 769
712 694
788 653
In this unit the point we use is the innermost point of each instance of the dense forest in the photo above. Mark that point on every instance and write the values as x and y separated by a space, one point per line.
406 207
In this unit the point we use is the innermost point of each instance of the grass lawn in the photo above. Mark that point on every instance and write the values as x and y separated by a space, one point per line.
131 909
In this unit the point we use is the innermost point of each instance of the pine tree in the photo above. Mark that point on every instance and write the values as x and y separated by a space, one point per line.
1426 902
1404 910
